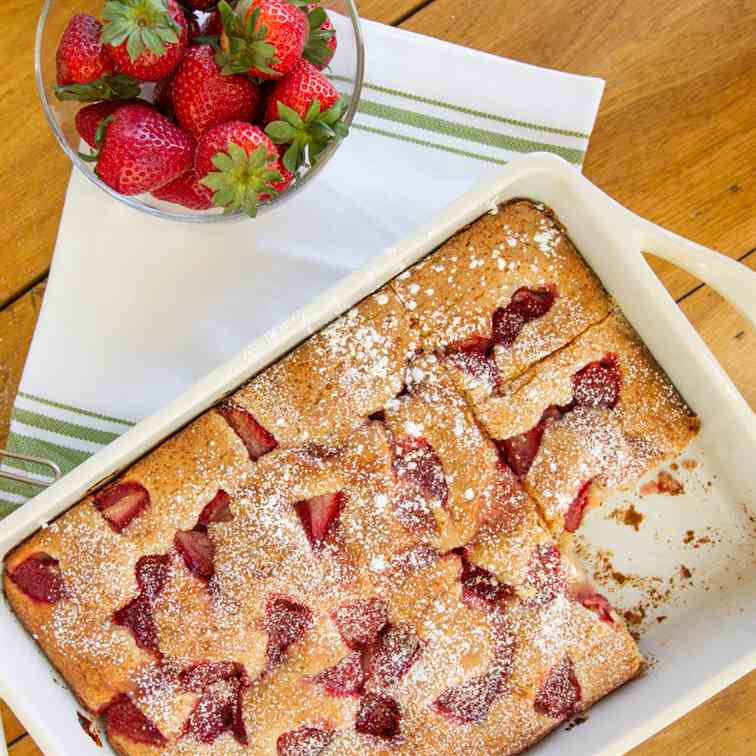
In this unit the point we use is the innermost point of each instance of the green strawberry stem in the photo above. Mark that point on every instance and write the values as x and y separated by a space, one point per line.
316 48
246 47
241 179
118 87
307 137
142 24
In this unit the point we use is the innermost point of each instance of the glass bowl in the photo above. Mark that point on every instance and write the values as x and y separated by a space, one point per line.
346 70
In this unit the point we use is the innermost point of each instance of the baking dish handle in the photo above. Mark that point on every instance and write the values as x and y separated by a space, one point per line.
730 278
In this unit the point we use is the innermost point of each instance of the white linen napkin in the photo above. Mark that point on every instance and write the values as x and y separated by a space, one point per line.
138 308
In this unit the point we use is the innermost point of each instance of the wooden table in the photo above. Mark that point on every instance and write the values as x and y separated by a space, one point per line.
675 141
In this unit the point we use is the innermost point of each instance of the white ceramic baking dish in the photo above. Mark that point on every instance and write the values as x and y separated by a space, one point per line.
708 639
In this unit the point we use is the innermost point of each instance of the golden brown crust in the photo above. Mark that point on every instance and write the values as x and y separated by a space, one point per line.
344 408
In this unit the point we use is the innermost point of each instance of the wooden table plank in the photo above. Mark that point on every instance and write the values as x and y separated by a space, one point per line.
675 133
17 323
24 747
13 728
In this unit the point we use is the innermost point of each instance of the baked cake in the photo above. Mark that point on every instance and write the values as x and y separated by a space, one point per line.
365 550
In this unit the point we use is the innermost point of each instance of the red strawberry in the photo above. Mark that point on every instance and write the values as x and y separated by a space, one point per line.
470 701
263 38
151 574
90 116
145 38
520 451
391 656
39 577
122 503
560 692
318 515
240 167
306 741
598 384
594 601
81 57
218 509
203 97
320 46
525 305
577 508
142 150
379 716
197 550
137 617
286 622
185 191
219 708
297 91
85 71
359 622
304 110
481 587
344 679
124 719
162 96
256 439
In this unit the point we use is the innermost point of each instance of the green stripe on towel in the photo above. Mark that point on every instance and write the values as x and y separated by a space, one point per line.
63 428
466 111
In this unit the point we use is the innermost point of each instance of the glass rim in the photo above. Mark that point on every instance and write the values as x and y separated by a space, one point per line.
196 217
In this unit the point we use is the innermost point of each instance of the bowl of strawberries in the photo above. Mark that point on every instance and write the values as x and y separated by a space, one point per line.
202 111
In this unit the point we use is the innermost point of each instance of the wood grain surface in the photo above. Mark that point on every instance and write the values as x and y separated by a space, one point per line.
674 142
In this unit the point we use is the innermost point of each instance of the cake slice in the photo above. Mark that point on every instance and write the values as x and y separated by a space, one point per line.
335 379
592 417
500 295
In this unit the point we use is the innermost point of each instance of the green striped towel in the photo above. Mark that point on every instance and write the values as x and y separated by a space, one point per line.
137 308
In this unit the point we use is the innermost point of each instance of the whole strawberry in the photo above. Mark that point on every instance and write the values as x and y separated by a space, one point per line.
304 111
204 97
89 118
84 69
81 57
263 38
142 150
186 191
239 167
145 38
320 46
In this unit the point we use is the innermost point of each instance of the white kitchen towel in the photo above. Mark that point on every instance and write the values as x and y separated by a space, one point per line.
138 308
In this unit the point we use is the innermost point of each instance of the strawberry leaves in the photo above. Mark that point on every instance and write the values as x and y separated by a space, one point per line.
246 46
317 48
142 24
109 87
240 180
307 137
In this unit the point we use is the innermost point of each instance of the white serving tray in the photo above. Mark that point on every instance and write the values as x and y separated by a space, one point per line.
707 641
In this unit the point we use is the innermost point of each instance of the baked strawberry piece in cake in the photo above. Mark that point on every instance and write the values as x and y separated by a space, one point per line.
595 416
501 294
